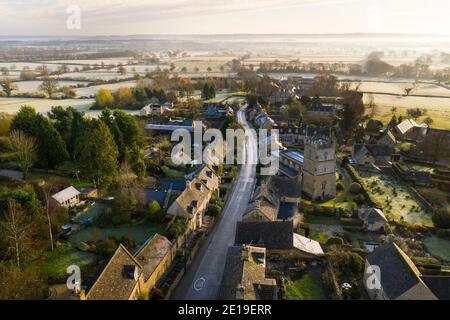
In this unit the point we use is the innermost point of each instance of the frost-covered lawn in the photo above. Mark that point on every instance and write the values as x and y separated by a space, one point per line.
395 198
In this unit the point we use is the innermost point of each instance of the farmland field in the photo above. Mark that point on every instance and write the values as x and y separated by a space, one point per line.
33 86
18 66
203 63
426 89
437 108
107 61
12 105
92 90
99 74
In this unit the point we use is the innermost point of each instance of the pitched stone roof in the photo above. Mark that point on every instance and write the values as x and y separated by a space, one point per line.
192 197
398 272
271 235
118 279
267 197
66 194
244 277
372 215
284 186
307 245
375 150
406 125
151 254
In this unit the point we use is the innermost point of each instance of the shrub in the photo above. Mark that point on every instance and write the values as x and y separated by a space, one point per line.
177 227
104 218
213 210
444 233
83 246
441 218
360 199
335 241
355 188
128 241
121 219
339 187
352 222
154 210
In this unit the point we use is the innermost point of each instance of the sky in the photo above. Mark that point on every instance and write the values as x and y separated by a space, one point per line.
121 17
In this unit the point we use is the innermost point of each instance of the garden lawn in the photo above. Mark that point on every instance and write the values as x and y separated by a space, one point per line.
307 287
321 237
314 219
57 261
396 200
139 232
438 247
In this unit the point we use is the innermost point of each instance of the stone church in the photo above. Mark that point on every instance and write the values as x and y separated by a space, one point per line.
319 167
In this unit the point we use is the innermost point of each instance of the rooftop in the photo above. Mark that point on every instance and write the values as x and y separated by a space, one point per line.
245 275
66 194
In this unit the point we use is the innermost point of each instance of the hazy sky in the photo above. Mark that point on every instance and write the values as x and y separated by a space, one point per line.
109 17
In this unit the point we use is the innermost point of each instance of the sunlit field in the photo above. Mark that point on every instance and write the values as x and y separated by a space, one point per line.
12 105
437 108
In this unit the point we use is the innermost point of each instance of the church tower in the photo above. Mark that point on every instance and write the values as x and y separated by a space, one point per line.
319 167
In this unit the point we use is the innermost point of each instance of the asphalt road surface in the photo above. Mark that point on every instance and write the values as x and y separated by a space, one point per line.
202 280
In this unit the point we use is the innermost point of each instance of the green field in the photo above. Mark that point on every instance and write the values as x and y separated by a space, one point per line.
57 261
308 287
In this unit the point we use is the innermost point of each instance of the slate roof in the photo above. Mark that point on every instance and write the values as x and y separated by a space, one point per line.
115 282
439 285
271 235
398 272
151 254
377 151
66 194
244 276
284 186
267 198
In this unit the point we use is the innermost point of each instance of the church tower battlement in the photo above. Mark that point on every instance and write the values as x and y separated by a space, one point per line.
319 168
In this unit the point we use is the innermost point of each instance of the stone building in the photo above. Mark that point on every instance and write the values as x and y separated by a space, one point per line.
319 168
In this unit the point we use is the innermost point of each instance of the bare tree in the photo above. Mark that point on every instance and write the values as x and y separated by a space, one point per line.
16 230
48 188
372 106
8 86
25 150
49 86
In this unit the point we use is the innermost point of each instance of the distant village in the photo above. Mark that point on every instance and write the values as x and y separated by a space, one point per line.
352 196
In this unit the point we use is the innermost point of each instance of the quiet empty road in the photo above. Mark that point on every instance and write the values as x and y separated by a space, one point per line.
202 280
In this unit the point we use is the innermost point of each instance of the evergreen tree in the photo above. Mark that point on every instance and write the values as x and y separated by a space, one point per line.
25 121
52 150
96 154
